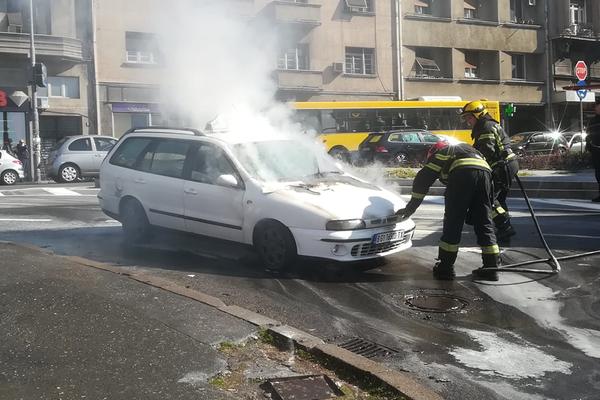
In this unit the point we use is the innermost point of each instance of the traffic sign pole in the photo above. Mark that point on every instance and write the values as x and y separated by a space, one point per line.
581 72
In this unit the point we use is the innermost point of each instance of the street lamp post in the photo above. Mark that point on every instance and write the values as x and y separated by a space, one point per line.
35 128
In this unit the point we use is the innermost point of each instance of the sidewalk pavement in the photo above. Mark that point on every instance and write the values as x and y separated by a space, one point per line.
538 183
76 328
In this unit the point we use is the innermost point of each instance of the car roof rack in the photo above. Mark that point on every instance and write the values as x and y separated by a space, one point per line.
165 129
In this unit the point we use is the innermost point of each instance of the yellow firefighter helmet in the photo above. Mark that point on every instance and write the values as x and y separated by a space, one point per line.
477 108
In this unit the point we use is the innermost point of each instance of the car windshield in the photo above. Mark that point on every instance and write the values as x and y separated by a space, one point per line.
283 160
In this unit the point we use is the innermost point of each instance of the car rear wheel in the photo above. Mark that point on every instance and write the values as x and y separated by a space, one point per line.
68 173
134 220
340 153
275 245
9 177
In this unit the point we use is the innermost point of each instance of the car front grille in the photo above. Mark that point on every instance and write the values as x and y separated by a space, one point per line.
370 249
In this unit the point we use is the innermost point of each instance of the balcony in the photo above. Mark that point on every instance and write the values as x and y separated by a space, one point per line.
580 31
54 46
299 80
289 12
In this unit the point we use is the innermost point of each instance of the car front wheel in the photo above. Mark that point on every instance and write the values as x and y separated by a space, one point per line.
68 173
9 177
134 220
275 245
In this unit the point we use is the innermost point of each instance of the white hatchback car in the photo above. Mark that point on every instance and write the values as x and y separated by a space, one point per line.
280 195
11 169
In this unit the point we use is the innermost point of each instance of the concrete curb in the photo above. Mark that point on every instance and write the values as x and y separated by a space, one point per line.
398 381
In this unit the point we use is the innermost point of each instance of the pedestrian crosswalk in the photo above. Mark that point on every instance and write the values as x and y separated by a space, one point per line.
49 191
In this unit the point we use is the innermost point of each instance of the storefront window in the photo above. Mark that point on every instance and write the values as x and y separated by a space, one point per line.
12 126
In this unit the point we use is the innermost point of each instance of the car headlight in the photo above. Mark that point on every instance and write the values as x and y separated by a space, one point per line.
345 225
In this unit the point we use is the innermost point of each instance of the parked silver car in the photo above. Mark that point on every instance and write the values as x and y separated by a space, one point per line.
75 157
11 169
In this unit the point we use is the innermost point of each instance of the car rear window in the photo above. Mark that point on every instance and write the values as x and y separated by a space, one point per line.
59 144
128 153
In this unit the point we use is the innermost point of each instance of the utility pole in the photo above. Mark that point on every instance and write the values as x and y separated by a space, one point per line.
35 119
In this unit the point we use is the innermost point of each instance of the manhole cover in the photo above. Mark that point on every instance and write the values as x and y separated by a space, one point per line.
437 303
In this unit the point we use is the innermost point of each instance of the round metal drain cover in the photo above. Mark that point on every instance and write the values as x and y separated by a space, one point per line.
438 303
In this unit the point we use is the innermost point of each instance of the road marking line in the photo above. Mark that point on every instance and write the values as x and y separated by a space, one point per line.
26 219
61 192
572 236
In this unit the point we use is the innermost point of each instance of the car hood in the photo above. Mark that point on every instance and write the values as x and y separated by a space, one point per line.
342 198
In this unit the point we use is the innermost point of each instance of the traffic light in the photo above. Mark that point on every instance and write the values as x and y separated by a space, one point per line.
509 110
40 75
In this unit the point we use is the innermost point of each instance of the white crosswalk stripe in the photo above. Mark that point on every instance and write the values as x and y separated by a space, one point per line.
61 192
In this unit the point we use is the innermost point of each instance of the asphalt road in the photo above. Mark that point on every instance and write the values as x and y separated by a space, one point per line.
525 337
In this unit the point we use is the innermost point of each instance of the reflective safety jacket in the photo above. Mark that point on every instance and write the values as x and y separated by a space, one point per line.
491 140
441 164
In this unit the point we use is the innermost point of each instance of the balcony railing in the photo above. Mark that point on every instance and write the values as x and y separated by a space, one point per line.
299 80
57 46
580 30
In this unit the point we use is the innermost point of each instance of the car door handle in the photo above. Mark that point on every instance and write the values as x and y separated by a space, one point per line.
140 180
190 191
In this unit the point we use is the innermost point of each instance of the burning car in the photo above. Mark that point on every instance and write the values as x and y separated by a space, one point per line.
283 196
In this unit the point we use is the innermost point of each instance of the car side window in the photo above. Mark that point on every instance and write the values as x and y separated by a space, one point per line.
81 145
209 163
167 158
129 151
104 144
411 137
429 138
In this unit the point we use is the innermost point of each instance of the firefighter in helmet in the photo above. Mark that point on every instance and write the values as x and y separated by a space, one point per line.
468 179
493 142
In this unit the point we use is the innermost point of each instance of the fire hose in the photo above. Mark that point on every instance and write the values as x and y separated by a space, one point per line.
552 260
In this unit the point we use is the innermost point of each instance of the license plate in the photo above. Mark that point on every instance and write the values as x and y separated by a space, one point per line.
388 237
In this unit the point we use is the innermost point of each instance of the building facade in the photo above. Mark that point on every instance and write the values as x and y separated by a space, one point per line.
574 33
61 37
105 66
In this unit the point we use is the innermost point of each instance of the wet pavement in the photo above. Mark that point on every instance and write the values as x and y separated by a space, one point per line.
525 337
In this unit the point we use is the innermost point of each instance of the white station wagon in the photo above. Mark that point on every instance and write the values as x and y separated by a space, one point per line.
281 195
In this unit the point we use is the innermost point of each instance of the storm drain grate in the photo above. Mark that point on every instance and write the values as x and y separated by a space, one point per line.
367 348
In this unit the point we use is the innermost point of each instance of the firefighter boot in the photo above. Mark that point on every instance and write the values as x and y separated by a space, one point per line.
443 269
490 261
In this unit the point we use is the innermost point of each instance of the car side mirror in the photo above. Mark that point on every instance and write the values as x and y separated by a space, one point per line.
227 181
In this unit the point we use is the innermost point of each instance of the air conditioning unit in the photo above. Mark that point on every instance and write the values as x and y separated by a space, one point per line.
531 2
338 67
43 103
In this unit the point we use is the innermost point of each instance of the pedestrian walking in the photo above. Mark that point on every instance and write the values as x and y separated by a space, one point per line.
592 144
469 188
23 154
491 140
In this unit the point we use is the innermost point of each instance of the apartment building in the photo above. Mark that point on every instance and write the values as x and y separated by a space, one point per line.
574 32
61 34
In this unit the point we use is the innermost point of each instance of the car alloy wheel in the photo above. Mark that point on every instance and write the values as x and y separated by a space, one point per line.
68 173
9 177
275 245
399 159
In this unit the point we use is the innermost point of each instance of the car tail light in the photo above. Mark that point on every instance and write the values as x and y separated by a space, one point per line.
381 149
17 162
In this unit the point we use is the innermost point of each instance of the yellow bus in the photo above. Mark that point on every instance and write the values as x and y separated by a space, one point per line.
343 125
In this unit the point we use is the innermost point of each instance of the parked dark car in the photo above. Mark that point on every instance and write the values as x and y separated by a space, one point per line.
533 143
397 147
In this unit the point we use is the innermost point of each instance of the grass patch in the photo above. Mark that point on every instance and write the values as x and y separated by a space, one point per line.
524 173
219 381
227 347
266 337
402 173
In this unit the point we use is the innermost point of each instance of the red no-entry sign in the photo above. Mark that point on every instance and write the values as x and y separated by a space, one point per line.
581 70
